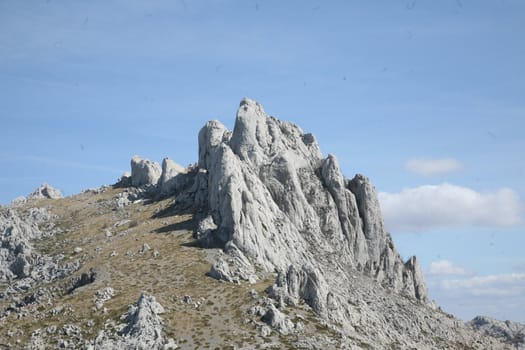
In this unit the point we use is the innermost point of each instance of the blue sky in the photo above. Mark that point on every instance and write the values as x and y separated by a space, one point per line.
427 98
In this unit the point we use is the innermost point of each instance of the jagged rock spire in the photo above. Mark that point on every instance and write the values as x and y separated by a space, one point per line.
277 202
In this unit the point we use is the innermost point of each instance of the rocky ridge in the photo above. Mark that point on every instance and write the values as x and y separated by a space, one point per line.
265 195
304 250
508 331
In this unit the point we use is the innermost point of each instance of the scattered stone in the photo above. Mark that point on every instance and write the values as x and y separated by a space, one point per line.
103 295
71 330
78 250
145 248
122 223
45 191
187 299
122 200
265 331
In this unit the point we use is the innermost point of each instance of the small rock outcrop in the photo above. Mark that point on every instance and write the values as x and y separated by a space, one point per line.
144 172
170 180
143 330
279 321
507 331
18 259
45 191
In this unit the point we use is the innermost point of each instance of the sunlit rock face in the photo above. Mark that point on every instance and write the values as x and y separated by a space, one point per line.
276 202
144 172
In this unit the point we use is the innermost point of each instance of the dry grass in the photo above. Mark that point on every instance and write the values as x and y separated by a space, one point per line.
178 270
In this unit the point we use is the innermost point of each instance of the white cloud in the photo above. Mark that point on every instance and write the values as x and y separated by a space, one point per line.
430 167
510 284
445 205
498 295
445 267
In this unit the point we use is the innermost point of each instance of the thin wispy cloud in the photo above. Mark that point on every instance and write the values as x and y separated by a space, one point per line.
432 167
446 267
499 295
438 206
509 284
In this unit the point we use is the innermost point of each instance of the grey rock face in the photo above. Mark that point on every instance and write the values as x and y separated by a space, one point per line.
17 256
45 191
170 180
277 320
508 331
302 283
143 330
144 319
272 201
272 195
144 172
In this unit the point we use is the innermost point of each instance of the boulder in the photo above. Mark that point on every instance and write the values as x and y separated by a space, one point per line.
144 172
170 178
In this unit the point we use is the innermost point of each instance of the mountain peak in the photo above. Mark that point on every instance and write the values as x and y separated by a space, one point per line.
303 249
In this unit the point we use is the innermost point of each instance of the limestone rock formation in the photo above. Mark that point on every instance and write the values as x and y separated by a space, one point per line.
508 331
278 202
45 191
17 256
144 172
322 271
170 180
143 330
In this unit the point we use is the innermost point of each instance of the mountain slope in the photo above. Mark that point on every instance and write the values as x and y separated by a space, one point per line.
261 244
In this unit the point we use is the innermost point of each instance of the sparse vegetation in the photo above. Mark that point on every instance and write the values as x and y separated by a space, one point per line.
115 258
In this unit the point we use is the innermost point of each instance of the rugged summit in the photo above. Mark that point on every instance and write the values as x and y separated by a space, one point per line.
508 331
279 204
45 191
304 252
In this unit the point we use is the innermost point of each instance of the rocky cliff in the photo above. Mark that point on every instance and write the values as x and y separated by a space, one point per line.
304 252
277 203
